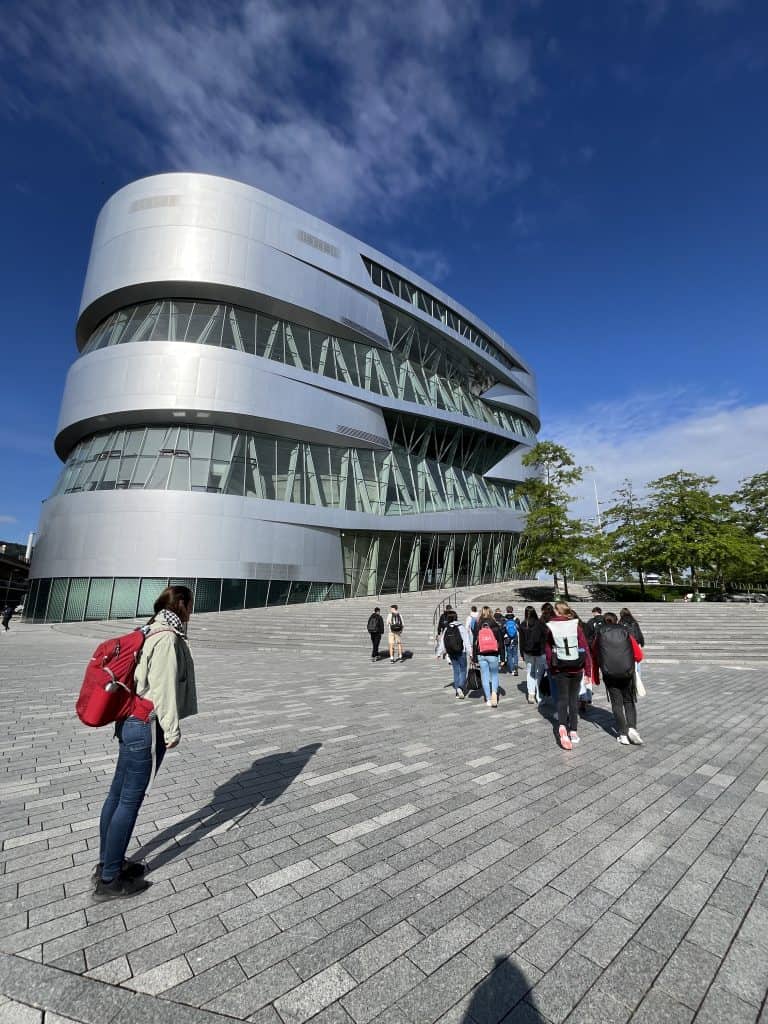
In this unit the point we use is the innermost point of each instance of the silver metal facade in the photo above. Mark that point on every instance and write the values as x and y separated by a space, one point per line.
192 237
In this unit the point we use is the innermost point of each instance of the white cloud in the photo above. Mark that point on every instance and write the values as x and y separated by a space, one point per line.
8 519
343 108
648 436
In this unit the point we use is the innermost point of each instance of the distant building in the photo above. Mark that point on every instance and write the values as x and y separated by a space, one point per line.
271 411
14 570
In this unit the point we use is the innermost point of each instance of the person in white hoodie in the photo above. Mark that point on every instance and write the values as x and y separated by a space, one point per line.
456 642
165 693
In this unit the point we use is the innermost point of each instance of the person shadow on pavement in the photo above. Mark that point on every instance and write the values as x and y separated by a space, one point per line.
260 785
499 996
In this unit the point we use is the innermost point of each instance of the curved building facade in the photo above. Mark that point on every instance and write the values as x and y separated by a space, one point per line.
271 411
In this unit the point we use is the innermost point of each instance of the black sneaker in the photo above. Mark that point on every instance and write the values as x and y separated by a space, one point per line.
130 869
119 888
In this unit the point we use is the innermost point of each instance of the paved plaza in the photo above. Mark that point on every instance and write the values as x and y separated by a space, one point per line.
346 843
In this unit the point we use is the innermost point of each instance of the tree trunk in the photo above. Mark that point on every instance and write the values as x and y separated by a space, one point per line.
565 585
641 577
554 582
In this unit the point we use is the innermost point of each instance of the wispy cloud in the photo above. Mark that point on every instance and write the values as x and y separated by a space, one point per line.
647 436
343 108
8 519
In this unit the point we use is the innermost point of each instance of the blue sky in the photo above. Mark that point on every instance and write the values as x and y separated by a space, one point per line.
589 178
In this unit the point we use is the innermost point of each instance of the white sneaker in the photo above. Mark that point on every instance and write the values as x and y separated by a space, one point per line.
624 740
575 738
634 737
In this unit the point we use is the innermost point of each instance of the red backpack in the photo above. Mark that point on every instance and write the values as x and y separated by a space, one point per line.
108 692
486 641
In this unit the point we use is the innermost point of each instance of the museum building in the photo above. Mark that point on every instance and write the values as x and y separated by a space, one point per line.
269 411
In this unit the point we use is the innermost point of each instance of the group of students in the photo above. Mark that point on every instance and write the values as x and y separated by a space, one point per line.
561 655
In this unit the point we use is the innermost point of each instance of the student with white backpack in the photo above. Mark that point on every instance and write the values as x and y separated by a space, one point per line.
568 658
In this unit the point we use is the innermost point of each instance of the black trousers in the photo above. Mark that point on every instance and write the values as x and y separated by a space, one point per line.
622 694
567 699
375 641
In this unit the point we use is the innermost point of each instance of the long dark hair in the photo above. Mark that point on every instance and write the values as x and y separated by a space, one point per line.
625 615
530 614
175 599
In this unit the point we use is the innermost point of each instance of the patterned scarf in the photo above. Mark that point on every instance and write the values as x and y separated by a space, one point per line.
173 620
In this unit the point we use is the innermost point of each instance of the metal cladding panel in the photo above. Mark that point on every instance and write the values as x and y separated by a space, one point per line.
510 398
161 533
217 237
143 383
235 242
156 533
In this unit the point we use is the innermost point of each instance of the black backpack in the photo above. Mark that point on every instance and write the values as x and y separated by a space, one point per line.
617 658
396 623
375 624
452 641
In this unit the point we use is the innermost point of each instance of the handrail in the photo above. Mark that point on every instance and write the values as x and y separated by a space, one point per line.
440 608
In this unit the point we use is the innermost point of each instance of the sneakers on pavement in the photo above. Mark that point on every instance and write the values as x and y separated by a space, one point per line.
575 738
624 740
130 869
531 699
634 737
494 700
119 888
565 741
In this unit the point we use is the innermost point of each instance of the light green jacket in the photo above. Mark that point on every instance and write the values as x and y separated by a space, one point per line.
165 675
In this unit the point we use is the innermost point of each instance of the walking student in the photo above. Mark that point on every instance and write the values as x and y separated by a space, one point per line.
7 615
511 626
630 623
618 653
591 628
395 628
456 643
532 637
471 619
487 651
165 688
567 657
375 629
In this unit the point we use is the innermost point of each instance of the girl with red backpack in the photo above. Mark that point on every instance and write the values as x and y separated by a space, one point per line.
487 651
165 683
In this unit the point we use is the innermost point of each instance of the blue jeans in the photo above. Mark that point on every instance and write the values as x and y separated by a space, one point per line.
129 786
459 666
512 653
489 673
537 665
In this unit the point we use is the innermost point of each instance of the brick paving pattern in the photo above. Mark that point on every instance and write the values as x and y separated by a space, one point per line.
336 841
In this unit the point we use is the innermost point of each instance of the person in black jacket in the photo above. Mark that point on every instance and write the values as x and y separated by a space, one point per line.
632 626
532 637
488 657
375 629
616 651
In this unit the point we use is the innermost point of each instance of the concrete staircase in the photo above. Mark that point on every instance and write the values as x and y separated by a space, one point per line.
703 633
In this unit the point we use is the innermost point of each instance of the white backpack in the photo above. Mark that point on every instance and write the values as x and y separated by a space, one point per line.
567 656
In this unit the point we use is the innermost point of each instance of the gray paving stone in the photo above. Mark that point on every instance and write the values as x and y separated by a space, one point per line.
631 973
606 938
370 957
560 989
326 951
745 972
265 987
444 943
664 929
164 976
660 1008
722 1006
205 987
688 974
713 930
432 997
314 995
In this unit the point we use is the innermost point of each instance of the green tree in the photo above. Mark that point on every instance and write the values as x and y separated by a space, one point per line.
553 540
690 528
630 546
752 496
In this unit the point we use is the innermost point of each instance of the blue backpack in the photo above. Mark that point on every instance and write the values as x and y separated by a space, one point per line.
511 631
